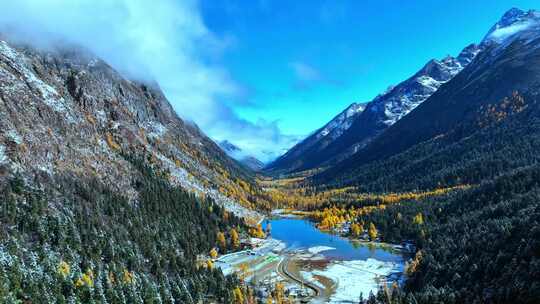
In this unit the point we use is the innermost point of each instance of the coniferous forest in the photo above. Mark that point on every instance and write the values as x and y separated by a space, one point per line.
82 243
476 246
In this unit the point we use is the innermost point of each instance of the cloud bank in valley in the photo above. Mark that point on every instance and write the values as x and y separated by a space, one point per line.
166 41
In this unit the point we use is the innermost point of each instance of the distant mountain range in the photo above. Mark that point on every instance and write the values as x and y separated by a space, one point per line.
237 153
358 133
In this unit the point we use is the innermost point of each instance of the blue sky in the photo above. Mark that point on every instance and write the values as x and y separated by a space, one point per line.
260 73
301 62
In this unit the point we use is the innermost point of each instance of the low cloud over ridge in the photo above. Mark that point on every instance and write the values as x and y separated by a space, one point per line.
166 41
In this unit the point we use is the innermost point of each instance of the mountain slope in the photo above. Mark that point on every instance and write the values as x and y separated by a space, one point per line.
382 112
68 112
107 195
503 80
474 246
318 141
253 163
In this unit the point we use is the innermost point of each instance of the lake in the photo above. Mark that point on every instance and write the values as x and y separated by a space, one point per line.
298 233
356 268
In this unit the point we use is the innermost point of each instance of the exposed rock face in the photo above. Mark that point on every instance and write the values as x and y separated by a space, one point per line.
67 112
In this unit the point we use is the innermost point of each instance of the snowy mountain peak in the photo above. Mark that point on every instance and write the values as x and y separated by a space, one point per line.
468 54
513 22
393 104
353 128
511 16
341 122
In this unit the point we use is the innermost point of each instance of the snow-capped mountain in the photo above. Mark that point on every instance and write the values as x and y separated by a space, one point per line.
229 147
392 105
319 139
499 86
341 122
348 133
514 21
237 153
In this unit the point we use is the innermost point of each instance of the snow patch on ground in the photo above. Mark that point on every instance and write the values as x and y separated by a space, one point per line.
429 82
357 277
155 128
51 97
14 136
308 276
3 155
319 249
101 116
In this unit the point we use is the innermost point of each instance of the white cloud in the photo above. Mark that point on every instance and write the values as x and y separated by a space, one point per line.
166 41
262 139
305 72
502 33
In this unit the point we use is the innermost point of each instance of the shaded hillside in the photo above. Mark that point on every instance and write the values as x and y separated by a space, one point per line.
458 157
477 246
314 144
66 111
479 95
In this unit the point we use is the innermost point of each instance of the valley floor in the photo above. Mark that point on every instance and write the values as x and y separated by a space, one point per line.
307 274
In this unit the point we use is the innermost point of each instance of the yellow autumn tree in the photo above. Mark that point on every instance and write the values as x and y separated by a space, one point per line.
279 293
221 242
412 267
64 269
372 231
257 232
238 296
128 276
243 271
86 279
418 219
213 253
235 239
356 229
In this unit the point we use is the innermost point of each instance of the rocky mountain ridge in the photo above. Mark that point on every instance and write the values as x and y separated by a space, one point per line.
66 112
383 111
500 86
319 139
